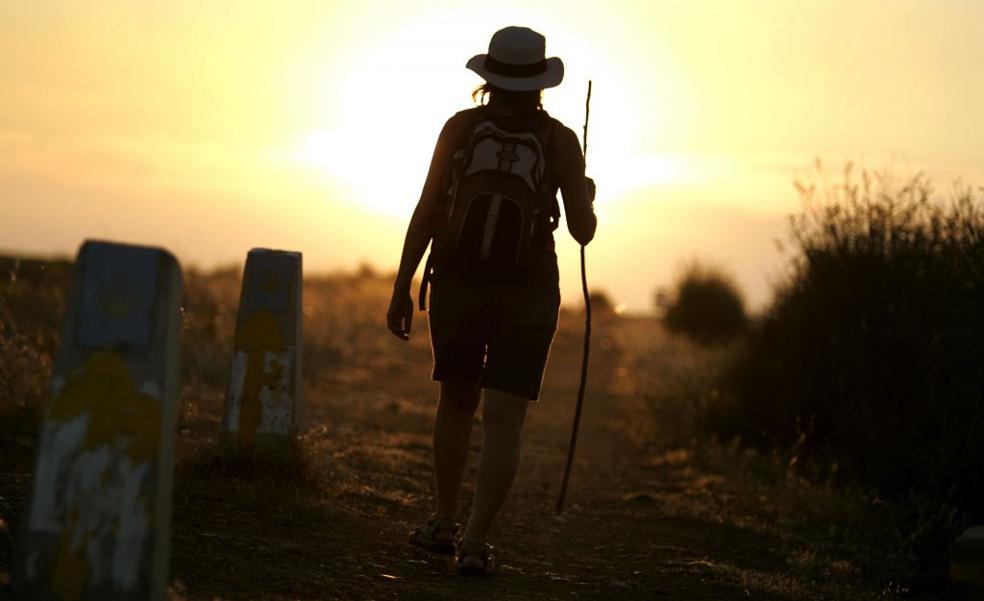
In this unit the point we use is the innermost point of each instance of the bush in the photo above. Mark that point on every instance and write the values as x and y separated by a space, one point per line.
32 299
601 303
706 305
870 354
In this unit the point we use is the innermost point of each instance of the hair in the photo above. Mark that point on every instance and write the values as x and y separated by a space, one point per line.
521 101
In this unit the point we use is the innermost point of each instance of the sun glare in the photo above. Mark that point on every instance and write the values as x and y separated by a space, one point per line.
390 106
392 101
351 161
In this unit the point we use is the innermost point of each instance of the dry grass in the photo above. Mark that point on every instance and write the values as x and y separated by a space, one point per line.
653 512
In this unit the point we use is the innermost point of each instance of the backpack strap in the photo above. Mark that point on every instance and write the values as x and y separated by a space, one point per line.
544 134
471 120
474 117
425 281
448 183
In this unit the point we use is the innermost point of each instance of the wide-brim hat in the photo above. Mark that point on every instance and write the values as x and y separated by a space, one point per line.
517 61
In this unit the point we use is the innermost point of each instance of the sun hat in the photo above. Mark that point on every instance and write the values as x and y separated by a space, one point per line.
517 61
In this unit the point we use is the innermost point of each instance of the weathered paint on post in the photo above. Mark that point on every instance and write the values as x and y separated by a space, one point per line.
98 523
265 393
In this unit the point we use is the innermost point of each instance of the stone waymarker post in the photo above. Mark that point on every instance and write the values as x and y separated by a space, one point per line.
98 522
265 393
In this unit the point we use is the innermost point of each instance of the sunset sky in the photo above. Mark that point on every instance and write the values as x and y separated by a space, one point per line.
213 127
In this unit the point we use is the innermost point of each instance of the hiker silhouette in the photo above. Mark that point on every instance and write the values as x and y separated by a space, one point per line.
488 209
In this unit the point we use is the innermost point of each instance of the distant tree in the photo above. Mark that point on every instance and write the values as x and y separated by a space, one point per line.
601 303
366 271
661 300
705 305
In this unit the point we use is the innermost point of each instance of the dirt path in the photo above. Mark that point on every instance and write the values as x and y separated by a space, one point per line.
641 522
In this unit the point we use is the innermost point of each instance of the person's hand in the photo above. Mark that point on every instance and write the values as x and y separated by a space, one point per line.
400 314
589 185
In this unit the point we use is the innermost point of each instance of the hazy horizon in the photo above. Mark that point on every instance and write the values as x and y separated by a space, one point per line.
211 129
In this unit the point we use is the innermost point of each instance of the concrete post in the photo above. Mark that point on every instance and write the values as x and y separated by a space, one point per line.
98 522
265 393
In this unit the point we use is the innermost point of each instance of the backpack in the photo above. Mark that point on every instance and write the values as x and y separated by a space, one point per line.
500 211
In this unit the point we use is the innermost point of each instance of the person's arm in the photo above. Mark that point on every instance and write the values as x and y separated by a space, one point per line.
425 219
577 190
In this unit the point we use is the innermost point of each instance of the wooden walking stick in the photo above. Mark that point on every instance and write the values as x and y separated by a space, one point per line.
587 339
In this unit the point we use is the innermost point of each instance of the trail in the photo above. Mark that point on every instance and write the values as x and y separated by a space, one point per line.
637 524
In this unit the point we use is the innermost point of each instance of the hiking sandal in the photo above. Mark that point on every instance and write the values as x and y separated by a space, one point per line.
473 558
436 536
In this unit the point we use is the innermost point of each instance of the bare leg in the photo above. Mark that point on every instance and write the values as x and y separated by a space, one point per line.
452 437
502 435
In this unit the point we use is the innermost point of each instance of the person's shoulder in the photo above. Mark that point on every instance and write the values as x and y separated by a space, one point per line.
563 137
466 115
474 110
460 120
557 126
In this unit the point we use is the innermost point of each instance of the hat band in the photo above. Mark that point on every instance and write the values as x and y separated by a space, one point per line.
511 70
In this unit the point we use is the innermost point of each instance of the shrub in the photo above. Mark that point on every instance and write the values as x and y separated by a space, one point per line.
705 305
601 303
31 306
870 354
24 370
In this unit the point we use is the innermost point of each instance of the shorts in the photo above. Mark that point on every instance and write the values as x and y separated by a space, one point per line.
496 334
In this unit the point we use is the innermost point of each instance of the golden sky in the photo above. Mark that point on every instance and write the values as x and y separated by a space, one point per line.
213 127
